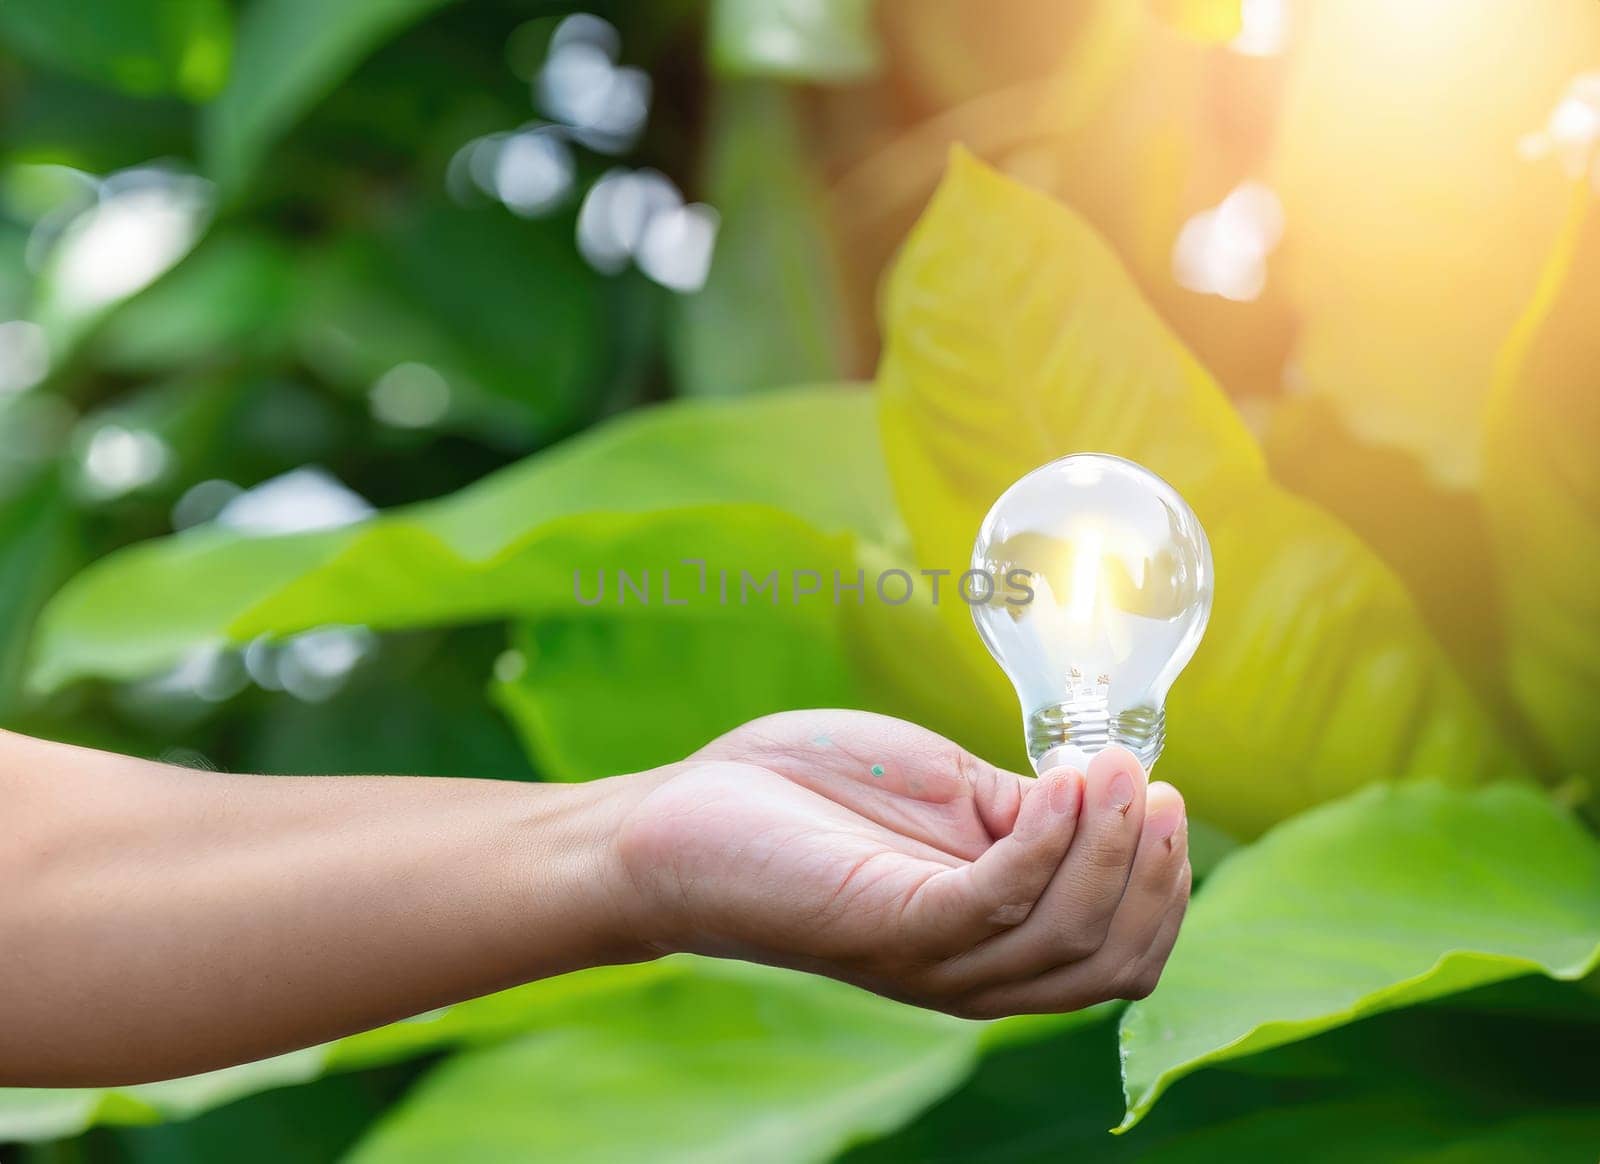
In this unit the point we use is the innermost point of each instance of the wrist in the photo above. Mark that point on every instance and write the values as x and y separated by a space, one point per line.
566 852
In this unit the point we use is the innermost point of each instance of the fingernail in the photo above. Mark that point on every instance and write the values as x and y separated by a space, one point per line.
1121 791
1163 821
1064 792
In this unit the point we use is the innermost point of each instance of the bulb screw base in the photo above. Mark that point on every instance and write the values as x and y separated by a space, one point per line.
1069 733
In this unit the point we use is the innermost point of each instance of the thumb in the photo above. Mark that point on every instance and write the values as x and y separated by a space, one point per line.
957 908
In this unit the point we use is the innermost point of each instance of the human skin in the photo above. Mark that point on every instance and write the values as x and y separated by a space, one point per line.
160 921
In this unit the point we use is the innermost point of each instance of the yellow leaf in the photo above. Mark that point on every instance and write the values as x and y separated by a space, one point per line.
1434 538
1542 488
1014 336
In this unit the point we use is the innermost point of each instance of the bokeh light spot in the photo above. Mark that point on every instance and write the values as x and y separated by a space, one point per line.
144 222
1571 135
410 395
1223 251
307 498
24 355
202 502
116 460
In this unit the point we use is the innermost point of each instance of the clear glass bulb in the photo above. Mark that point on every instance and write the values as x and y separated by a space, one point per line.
1102 588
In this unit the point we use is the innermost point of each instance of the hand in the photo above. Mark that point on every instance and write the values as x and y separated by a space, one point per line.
873 851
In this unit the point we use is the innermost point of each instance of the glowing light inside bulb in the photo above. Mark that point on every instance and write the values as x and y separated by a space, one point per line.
1086 569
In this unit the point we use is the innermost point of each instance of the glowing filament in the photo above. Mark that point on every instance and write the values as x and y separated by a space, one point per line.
1086 557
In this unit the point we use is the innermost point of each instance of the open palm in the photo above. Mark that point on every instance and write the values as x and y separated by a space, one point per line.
870 849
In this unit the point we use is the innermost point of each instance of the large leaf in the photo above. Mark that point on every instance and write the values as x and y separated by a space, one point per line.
290 53
825 40
576 680
1396 895
769 314
735 1063
1542 488
1014 336
141 46
1427 1084
509 544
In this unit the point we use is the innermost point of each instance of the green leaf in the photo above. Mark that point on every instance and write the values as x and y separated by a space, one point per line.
144 47
496 1017
1014 336
504 310
1396 895
770 312
35 1114
38 548
1542 488
56 119
507 545
736 1062
1427 1084
308 1123
290 54
577 680
831 41
231 296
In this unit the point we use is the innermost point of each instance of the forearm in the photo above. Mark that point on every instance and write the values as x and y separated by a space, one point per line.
158 921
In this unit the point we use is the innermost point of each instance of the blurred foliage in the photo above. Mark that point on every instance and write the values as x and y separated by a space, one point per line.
1330 266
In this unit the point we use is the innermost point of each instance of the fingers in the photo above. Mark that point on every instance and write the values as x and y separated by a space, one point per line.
962 906
1073 918
1129 962
997 795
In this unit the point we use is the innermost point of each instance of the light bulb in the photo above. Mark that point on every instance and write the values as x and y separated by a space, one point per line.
1102 588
